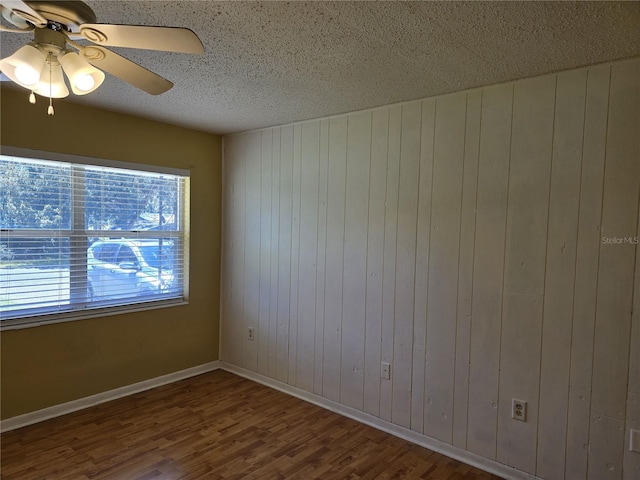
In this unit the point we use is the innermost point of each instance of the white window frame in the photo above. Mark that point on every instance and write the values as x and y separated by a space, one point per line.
39 317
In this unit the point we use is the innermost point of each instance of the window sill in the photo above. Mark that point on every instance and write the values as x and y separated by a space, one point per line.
43 320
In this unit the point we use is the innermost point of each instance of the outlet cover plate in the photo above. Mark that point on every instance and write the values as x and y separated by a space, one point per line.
519 410
634 441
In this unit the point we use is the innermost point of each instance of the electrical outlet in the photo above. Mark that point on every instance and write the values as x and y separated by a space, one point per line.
634 441
251 334
385 370
519 410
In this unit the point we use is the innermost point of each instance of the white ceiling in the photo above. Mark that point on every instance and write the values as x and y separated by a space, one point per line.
269 63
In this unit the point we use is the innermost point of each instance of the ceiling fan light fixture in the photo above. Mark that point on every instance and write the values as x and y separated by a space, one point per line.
83 77
41 65
25 66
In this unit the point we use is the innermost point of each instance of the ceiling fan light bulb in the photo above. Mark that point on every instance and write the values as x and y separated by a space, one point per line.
83 77
24 67
85 83
27 75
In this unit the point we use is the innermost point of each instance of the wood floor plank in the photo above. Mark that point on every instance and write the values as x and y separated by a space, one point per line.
216 426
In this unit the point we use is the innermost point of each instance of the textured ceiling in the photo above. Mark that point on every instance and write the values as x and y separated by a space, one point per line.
268 63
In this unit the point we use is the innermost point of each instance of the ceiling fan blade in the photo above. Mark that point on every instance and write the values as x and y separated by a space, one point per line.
16 30
24 11
126 70
168 39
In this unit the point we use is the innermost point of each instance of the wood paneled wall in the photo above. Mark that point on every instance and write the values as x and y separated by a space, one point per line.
483 243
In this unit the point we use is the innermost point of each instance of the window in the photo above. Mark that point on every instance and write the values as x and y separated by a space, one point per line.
83 238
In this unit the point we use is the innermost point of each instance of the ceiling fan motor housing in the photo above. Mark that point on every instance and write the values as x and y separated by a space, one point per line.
50 40
70 14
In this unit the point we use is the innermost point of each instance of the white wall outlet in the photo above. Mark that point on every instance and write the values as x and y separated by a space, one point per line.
251 334
519 410
385 370
634 441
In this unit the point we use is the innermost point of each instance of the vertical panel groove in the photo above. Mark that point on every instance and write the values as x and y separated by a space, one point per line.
384 243
366 265
395 273
318 364
575 266
423 249
389 258
504 259
546 256
275 250
366 271
413 317
593 346
295 270
417 213
426 327
471 282
455 345
344 232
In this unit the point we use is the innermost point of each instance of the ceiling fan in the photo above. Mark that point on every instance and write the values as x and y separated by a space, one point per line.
58 25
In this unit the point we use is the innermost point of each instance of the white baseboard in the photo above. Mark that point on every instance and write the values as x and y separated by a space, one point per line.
81 403
451 451
401 432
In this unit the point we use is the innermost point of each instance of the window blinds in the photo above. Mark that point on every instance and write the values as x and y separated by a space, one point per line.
77 237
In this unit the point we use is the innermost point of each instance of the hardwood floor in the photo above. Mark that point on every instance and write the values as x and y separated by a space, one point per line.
216 426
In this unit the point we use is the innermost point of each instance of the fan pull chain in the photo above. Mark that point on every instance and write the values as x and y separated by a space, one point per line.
50 109
32 98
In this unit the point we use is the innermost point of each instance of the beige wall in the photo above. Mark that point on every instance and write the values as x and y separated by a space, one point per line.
49 365
458 238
